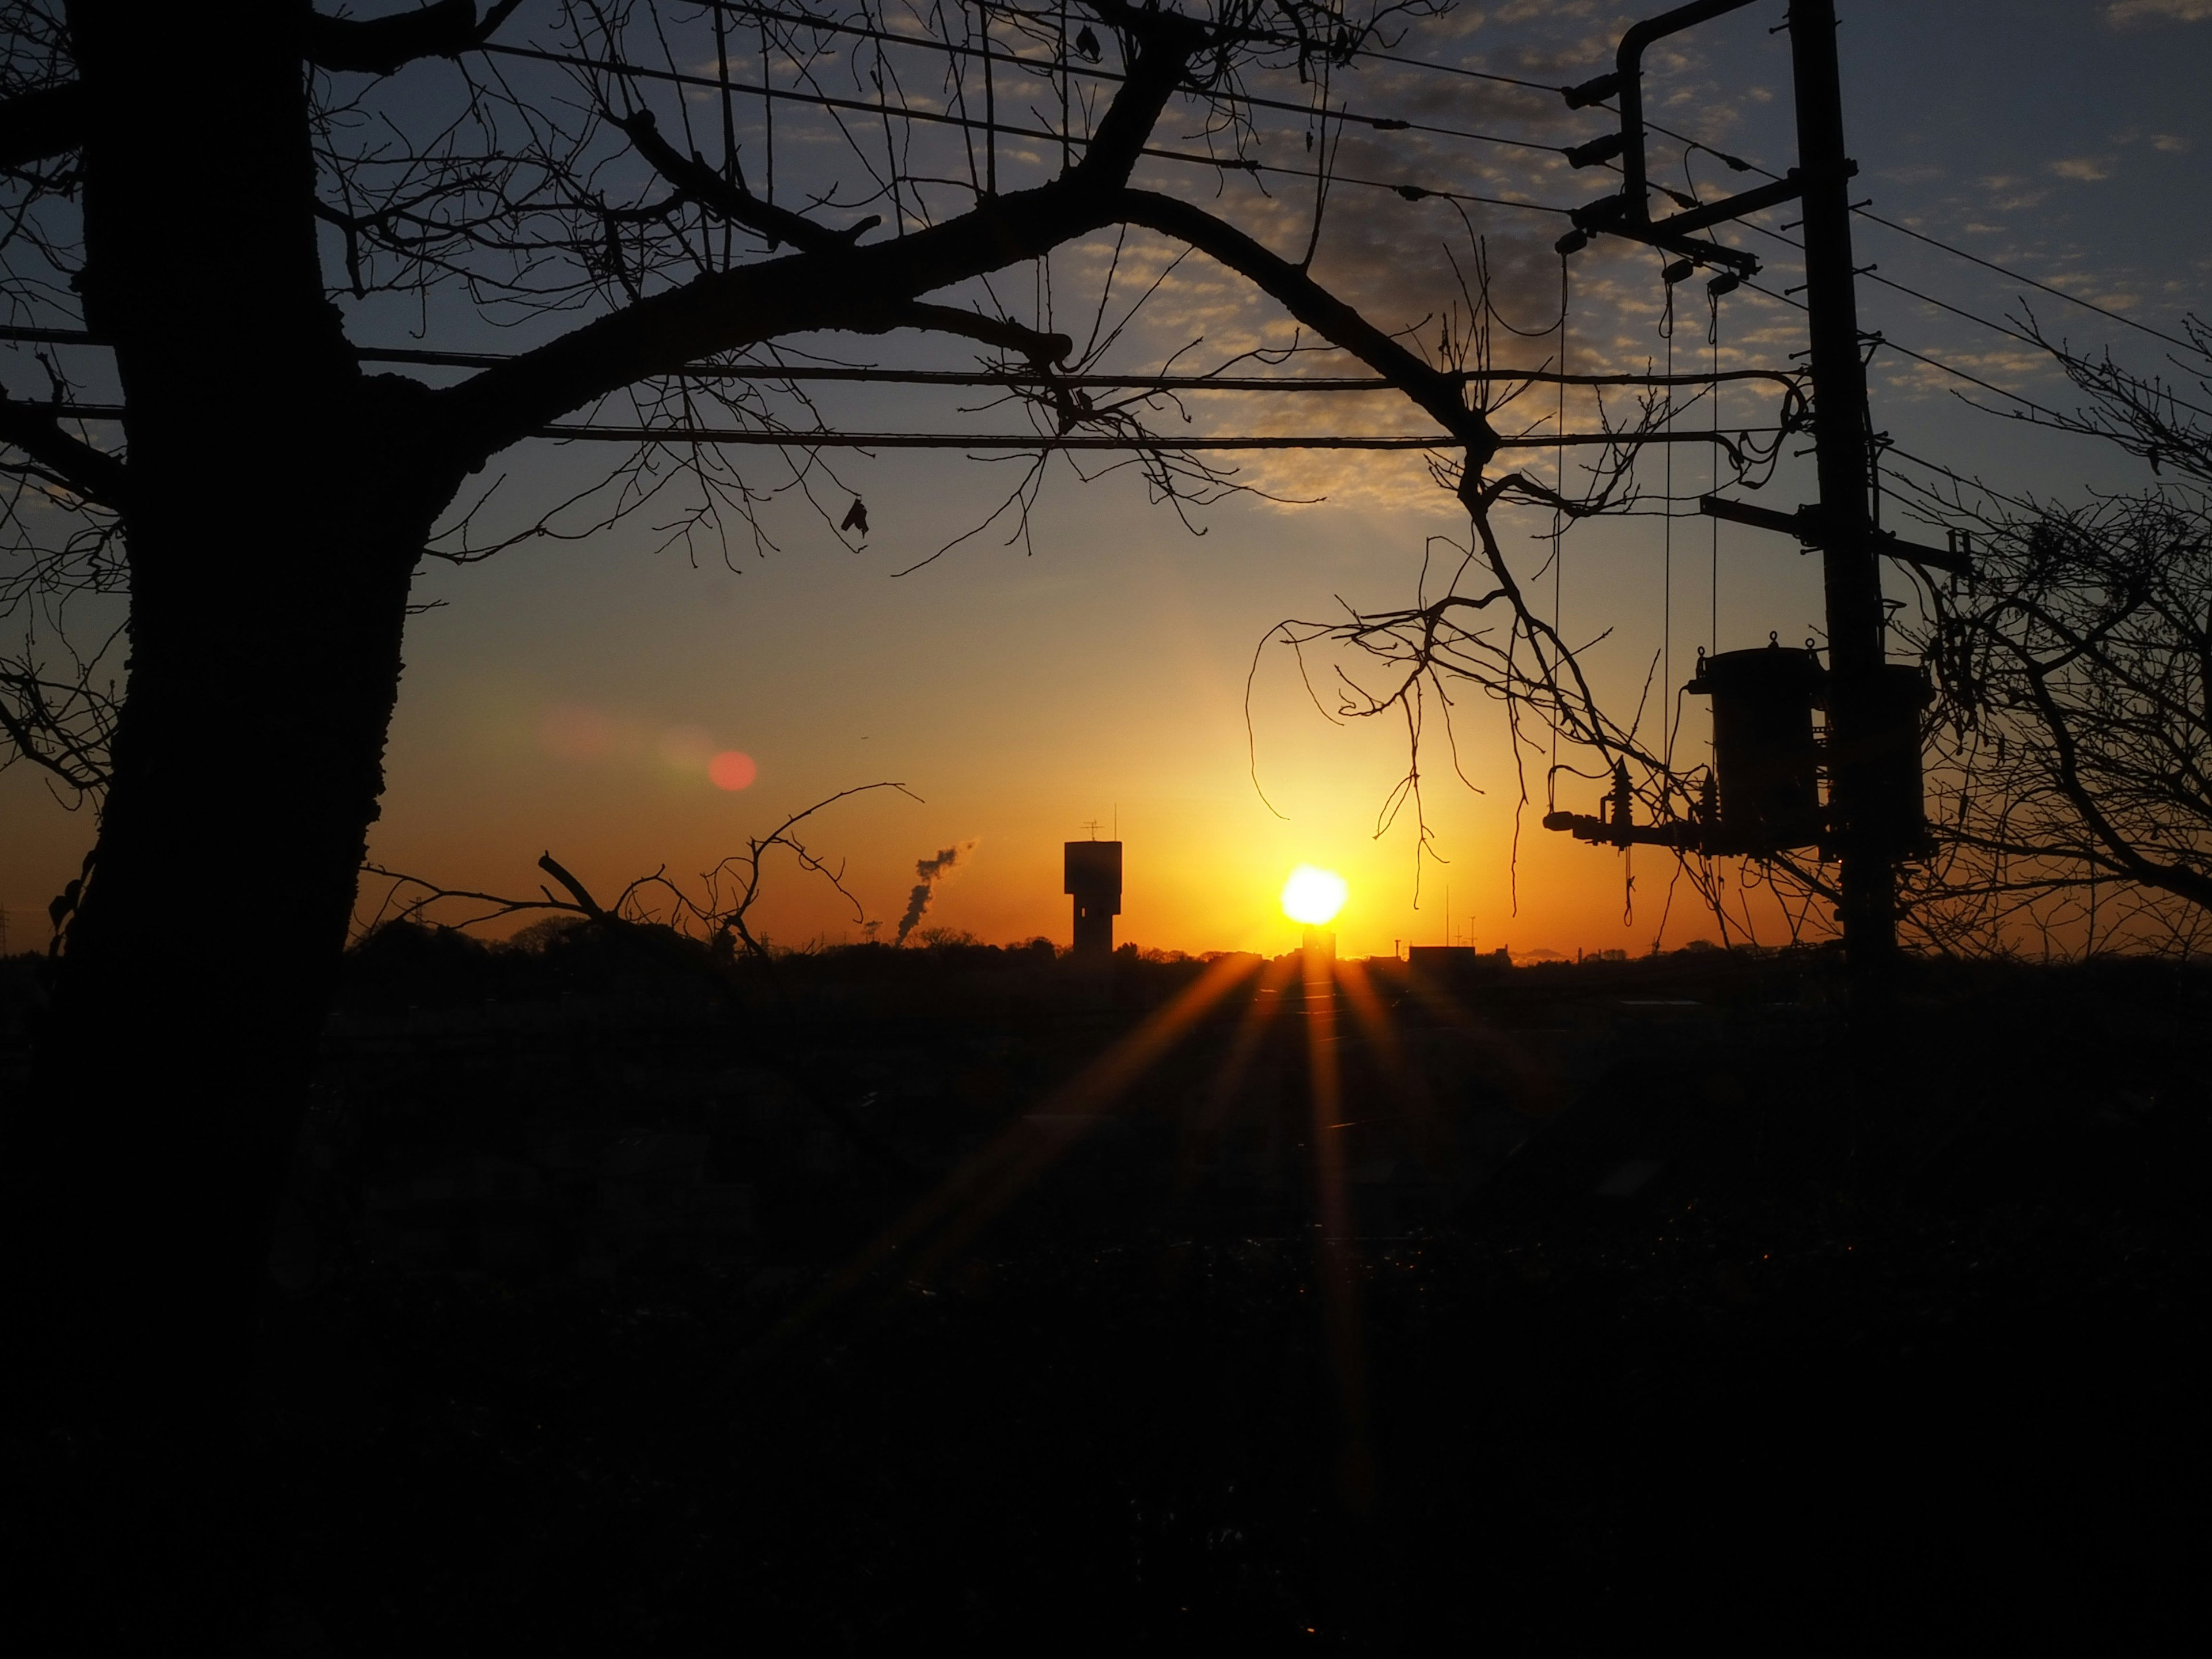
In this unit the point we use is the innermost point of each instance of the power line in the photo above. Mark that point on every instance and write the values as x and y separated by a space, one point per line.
1410 192
1093 441
1922 357
1871 275
1380 123
2060 293
1955 477
935 118
1266 36
832 440
1049 66
1739 164
1012 378
1454 68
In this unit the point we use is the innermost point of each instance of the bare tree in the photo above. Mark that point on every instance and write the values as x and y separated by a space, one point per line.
219 219
720 906
211 212
2072 796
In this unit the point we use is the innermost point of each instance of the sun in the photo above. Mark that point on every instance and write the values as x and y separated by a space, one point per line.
1314 897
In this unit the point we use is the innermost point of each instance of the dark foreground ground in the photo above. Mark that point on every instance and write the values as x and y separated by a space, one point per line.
1898 1337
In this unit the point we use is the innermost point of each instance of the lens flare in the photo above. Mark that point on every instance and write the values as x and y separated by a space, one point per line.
1314 897
733 769
574 733
686 748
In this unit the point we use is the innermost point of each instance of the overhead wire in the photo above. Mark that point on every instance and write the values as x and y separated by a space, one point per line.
1379 122
1009 378
1871 275
1418 192
722 84
1060 66
1955 477
889 110
1738 164
1951 369
1459 70
829 439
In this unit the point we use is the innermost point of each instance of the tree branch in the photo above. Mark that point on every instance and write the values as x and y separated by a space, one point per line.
1437 393
869 290
697 182
381 45
2176 879
99 478
585 902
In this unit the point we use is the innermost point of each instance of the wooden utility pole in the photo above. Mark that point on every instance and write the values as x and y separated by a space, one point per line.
1851 571
1871 820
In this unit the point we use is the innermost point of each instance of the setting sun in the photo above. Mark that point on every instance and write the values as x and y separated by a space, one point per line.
1314 897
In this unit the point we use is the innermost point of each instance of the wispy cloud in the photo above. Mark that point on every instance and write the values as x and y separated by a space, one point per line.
2172 143
2170 11
2087 168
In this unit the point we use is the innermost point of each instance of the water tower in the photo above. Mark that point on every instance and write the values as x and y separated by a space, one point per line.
1093 877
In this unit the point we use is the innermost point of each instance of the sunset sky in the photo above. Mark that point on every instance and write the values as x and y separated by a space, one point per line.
573 694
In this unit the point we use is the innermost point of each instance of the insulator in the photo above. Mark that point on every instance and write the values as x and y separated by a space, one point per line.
1603 147
1726 283
1573 242
1680 271
1591 92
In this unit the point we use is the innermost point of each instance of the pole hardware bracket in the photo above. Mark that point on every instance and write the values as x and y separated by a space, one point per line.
1806 523
1615 825
1628 214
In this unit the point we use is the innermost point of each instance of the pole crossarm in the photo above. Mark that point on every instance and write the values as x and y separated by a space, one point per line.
1628 212
1809 527
1606 832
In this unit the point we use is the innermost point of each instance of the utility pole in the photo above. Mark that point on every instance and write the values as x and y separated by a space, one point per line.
1872 760
1850 573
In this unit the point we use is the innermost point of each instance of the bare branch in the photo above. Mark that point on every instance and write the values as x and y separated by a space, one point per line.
382 46
91 473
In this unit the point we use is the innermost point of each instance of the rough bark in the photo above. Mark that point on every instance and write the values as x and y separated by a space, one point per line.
270 562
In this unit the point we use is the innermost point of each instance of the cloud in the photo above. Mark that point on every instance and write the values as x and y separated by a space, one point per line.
2172 143
2124 12
2087 168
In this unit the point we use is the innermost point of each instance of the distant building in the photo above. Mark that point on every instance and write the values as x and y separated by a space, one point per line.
1456 961
1093 877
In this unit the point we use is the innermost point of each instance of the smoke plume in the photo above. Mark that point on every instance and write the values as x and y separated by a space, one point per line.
931 871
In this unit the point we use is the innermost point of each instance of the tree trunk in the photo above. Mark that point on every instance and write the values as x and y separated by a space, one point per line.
276 502
247 766
171 1078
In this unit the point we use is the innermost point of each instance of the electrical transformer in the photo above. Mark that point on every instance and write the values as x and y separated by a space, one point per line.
1764 754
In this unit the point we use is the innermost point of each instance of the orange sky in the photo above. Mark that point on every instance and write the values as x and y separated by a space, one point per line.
570 696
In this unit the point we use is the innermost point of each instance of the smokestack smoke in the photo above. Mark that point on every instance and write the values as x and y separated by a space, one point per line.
931 871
